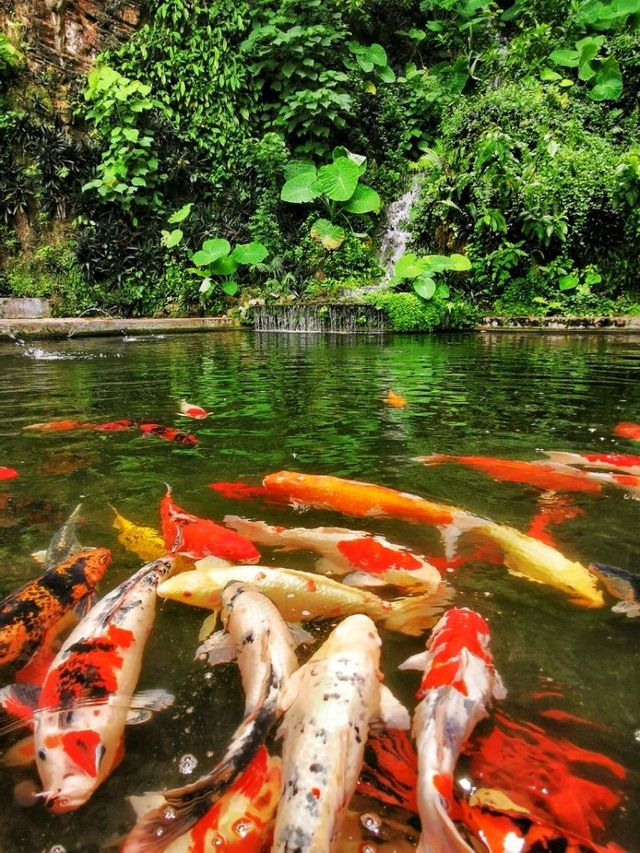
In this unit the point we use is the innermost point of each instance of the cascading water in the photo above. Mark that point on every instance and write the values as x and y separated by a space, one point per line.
396 236
335 318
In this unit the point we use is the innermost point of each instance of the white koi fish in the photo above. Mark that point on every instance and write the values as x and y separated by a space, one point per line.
87 696
258 637
331 702
457 687
362 558
304 596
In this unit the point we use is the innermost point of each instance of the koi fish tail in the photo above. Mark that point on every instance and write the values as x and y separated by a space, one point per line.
433 459
414 615
450 533
184 807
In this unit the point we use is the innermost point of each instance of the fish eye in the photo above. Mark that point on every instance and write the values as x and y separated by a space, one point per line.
42 754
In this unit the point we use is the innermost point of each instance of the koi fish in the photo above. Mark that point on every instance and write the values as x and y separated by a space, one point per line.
169 434
303 596
63 544
530 558
457 687
624 464
621 584
115 426
627 430
256 634
367 500
86 699
59 426
191 411
537 772
395 400
629 482
8 473
554 511
239 491
331 702
543 476
362 558
27 615
144 542
196 538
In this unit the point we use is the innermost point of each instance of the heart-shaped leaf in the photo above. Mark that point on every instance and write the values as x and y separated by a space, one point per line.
224 266
565 57
608 83
171 238
230 287
301 189
568 282
339 179
409 266
424 287
364 200
330 236
211 250
250 253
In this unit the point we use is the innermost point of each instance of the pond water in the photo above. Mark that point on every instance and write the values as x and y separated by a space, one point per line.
315 404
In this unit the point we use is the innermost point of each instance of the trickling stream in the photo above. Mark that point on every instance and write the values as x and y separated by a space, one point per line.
396 236
337 318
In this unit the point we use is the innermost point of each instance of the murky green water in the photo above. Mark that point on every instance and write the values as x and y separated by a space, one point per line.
315 404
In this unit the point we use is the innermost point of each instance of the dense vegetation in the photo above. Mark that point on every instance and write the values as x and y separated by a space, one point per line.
282 128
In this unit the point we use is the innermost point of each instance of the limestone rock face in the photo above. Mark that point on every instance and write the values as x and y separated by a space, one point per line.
67 35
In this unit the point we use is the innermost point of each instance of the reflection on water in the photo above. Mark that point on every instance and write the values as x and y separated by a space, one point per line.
315 404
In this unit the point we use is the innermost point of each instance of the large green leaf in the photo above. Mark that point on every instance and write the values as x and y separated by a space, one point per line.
339 179
330 236
298 167
377 54
301 189
364 200
180 215
230 287
409 266
424 287
224 266
568 282
250 253
608 83
588 49
359 159
210 252
565 57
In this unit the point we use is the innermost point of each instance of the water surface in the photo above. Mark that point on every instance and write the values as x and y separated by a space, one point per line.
315 404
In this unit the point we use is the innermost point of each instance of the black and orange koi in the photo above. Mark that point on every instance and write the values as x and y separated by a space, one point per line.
169 434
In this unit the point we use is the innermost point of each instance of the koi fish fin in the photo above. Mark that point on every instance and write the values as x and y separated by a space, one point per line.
39 556
391 714
299 635
85 604
414 615
324 566
433 459
289 693
217 648
418 662
631 608
360 579
565 458
19 701
147 702
20 754
208 626
142 804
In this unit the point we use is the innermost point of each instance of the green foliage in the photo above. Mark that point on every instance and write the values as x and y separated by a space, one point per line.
406 312
216 260
422 272
10 57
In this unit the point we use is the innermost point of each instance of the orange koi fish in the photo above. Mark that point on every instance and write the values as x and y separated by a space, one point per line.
352 497
115 426
239 491
8 473
623 463
536 771
169 434
539 474
552 512
363 559
196 538
86 699
627 430
27 615
59 426
241 820
457 687
191 411
395 400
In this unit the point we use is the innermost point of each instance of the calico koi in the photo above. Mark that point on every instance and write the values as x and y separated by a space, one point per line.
27 615
457 687
169 434
196 537
361 558
622 463
304 596
256 634
330 704
191 411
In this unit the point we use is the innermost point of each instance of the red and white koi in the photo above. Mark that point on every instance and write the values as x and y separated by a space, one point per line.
256 634
457 687
620 462
361 558
331 702
191 411
87 696
196 537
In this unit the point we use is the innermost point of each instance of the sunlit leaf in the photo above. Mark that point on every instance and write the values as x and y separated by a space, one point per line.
339 179
425 287
230 287
301 189
330 236
250 253
180 215
171 238
364 200
608 83
568 282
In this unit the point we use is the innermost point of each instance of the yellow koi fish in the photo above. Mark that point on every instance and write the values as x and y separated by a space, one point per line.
145 542
527 557
304 596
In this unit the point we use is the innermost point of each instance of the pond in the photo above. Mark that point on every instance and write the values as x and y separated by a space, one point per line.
316 404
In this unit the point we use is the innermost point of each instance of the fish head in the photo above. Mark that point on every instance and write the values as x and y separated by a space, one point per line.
357 631
237 549
68 763
96 562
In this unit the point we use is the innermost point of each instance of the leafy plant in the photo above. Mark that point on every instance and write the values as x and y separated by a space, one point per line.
605 73
10 57
216 260
337 185
422 272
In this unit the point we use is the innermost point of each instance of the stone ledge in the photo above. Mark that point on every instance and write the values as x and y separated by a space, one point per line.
72 327
559 324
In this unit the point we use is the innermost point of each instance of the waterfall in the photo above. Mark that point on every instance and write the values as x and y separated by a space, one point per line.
396 238
335 318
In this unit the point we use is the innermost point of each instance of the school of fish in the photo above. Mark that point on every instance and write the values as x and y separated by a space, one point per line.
324 757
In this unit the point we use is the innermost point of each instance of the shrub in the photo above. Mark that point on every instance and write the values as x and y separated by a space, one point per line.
406 312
